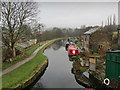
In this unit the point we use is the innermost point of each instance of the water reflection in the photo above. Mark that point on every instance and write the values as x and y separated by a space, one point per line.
58 44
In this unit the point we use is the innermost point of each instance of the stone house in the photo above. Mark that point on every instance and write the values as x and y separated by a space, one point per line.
96 38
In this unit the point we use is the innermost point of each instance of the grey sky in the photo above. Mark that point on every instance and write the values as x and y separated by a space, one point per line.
67 14
73 0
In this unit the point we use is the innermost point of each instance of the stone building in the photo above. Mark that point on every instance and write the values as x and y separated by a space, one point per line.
95 39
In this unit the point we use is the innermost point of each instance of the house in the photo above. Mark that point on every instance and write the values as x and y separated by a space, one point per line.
96 38
86 38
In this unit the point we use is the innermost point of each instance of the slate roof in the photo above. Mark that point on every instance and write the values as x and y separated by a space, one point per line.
91 31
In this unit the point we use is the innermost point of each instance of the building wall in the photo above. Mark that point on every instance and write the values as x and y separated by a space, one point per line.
86 42
100 39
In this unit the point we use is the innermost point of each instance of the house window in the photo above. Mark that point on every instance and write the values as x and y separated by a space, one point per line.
100 46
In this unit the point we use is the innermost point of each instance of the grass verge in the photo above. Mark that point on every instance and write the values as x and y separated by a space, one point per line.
25 72
21 57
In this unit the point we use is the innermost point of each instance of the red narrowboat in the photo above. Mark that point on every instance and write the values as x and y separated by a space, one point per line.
72 50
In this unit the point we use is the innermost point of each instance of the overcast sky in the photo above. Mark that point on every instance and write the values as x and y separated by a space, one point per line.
75 14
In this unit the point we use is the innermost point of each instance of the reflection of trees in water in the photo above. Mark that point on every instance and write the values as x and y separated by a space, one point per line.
58 44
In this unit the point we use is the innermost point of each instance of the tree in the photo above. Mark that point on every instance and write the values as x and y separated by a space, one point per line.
27 32
14 16
37 29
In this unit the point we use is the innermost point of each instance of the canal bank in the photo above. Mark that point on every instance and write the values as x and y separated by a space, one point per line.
24 75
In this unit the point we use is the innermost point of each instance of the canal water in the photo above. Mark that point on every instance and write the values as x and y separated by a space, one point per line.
58 73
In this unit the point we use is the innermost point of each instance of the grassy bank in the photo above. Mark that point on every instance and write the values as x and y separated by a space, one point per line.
25 72
23 56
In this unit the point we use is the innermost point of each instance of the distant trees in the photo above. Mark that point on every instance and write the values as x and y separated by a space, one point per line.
63 32
111 24
111 20
14 17
60 32
111 27
51 34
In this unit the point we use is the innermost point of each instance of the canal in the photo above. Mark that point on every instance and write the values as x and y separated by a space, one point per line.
58 73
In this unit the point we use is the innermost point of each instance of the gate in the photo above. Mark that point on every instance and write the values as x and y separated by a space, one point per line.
113 65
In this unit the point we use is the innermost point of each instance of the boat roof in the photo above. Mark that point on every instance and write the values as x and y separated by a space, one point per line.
72 47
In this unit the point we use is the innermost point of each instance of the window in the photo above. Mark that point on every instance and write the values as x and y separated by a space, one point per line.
100 46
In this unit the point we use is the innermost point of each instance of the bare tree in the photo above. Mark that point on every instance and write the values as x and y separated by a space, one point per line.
14 16
108 21
27 32
37 29
114 20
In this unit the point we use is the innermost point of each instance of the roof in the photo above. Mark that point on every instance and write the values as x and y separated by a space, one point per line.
91 31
